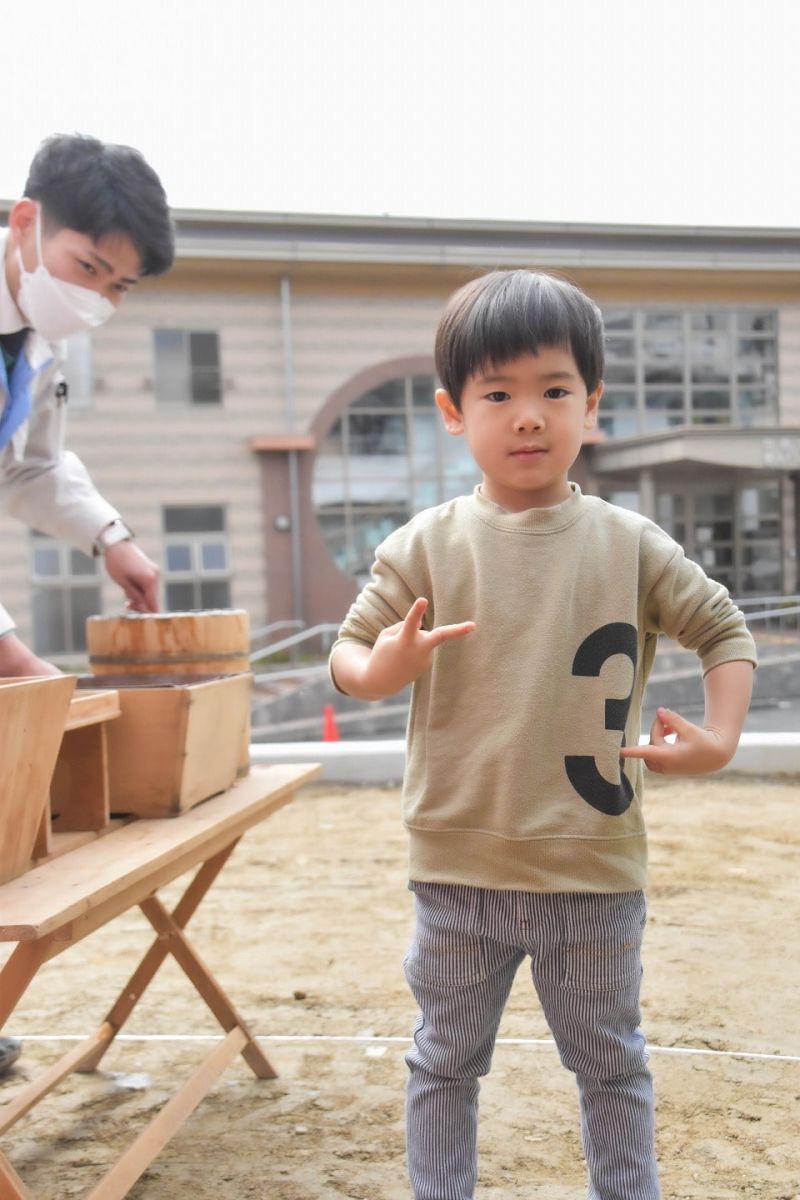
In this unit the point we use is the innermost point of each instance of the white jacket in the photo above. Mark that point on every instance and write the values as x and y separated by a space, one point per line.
41 484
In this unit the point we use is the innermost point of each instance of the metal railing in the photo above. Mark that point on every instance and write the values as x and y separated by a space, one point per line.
773 614
325 634
768 614
257 634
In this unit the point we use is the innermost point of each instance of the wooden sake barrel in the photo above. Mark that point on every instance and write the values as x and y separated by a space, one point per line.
214 642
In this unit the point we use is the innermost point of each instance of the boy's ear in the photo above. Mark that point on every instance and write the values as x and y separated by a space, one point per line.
592 405
453 420
22 218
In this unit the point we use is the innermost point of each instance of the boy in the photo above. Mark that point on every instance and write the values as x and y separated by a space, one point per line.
526 616
93 220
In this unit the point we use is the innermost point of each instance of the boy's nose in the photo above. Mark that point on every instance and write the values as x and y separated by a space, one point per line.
529 417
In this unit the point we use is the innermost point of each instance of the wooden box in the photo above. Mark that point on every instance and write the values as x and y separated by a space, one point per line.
209 642
177 741
32 716
79 795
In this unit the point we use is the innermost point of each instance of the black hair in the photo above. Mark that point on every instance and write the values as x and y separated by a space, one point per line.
499 316
101 190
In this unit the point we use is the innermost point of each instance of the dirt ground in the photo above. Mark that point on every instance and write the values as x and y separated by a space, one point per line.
306 928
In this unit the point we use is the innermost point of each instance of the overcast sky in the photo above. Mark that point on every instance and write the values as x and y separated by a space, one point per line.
626 111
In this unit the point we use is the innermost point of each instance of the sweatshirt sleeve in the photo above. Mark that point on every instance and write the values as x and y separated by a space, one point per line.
384 601
695 611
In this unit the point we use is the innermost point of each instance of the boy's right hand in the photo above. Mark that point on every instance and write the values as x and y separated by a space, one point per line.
401 653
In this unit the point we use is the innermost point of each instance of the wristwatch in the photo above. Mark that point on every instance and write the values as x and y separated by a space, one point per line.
116 531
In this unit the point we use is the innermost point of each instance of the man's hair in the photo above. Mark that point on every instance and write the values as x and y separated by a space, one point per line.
103 190
494 319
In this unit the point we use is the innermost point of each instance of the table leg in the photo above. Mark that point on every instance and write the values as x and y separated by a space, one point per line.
11 1186
144 973
184 953
122 1176
30 1096
18 972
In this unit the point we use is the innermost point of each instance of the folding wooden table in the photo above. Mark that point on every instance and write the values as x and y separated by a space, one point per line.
56 904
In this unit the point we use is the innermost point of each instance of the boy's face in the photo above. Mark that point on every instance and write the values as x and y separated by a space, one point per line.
109 266
524 421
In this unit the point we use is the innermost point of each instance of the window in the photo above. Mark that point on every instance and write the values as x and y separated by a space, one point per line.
196 558
187 369
666 368
387 456
759 514
734 533
65 591
77 370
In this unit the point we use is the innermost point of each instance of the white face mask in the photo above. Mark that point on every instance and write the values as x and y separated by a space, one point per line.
54 308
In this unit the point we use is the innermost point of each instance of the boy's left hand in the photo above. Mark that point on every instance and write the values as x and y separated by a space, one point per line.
695 751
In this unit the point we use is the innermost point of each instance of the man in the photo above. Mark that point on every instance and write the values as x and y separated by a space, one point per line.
93 220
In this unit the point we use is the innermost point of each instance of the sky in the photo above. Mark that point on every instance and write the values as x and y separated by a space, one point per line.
681 112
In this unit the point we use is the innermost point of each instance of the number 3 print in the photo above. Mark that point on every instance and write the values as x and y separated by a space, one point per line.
610 798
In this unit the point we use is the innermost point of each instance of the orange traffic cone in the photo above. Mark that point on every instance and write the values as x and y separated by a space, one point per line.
330 730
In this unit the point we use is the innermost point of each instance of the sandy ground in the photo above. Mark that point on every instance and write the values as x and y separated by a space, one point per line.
306 927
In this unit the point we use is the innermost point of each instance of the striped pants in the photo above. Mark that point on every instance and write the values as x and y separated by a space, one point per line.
585 951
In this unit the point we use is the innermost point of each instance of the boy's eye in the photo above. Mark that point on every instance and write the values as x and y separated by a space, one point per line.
87 267
497 397
556 393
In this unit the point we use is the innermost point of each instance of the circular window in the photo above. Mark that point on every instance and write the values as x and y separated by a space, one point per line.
386 457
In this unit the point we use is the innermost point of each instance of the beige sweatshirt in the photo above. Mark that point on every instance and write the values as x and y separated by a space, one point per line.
513 775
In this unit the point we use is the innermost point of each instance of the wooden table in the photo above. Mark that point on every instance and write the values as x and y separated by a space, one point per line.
55 905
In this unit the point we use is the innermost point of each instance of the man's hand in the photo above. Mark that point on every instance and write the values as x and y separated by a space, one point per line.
695 751
136 574
17 660
400 655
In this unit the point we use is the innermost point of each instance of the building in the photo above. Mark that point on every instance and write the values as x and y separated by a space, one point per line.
263 415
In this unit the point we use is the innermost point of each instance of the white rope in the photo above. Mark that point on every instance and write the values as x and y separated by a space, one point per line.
369 1039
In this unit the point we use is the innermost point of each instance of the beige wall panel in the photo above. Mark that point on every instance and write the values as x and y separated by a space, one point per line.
334 338
789 365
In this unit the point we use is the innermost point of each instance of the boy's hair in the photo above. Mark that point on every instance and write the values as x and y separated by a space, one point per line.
101 189
494 319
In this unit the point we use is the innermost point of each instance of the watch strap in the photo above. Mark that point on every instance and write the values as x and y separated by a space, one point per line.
116 531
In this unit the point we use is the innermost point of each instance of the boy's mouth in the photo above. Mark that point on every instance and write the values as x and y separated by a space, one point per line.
528 451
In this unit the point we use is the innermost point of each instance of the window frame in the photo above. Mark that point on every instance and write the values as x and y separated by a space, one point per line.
65 582
441 472
643 335
196 574
180 391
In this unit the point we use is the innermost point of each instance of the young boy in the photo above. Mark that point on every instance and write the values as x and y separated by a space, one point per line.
526 616
94 219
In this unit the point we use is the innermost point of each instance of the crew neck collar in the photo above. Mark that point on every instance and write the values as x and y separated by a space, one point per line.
530 520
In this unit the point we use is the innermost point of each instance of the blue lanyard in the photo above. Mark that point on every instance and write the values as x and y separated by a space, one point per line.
17 388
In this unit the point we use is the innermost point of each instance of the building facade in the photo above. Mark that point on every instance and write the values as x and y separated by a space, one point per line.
263 415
